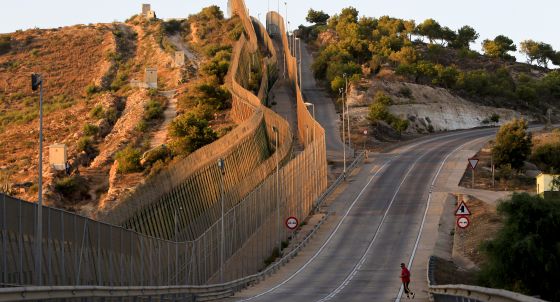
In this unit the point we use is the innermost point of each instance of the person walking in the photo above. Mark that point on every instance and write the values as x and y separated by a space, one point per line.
405 277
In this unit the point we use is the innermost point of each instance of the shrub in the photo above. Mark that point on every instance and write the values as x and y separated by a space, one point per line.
129 160
547 157
97 112
513 144
153 110
90 130
160 153
72 187
111 115
91 89
524 255
5 43
405 92
85 144
191 133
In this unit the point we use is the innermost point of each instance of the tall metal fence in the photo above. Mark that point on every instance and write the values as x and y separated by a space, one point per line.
80 251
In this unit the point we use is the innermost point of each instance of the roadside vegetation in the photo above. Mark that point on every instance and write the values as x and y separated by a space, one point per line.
429 53
524 256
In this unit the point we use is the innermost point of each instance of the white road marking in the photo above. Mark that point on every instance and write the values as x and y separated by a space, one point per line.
363 259
326 242
406 148
399 295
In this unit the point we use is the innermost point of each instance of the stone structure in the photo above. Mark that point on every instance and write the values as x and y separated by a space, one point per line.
58 157
147 12
151 77
179 58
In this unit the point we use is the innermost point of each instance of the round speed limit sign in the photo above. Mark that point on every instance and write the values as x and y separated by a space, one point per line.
463 222
291 223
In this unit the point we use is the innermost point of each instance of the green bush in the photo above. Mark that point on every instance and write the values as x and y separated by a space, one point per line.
111 115
91 89
153 110
97 112
86 144
5 43
191 133
72 187
129 160
405 92
513 144
90 129
524 256
160 153
547 157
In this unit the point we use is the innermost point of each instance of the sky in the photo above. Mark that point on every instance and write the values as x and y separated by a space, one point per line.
517 19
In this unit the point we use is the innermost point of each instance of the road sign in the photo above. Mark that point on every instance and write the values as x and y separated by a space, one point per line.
462 209
463 222
292 223
473 162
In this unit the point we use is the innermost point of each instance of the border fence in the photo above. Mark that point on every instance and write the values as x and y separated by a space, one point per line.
169 231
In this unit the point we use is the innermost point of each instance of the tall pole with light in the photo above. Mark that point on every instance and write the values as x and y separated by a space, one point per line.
176 239
298 40
275 130
347 111
341 91
37 83
221 166
314 143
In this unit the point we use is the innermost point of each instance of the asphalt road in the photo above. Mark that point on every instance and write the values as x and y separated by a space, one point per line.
376 227
325 112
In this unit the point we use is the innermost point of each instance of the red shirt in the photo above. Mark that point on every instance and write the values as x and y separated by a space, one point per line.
405 275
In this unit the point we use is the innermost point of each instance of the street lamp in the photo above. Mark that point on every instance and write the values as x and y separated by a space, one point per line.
347 111
37 83
176 239
314 143
275 130
298 40
341 91
221 166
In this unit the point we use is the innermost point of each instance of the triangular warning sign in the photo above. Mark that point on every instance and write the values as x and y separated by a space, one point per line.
473 162
462 209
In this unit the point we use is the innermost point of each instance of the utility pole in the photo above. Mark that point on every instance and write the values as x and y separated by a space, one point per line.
222 248
341 91
347 111
37 83
275 130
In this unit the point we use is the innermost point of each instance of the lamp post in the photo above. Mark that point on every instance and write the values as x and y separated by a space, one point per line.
176 239
221 166
347 111
298 40
275 130
341 91
314 145
37 83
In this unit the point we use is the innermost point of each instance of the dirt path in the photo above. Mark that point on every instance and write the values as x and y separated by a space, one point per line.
177 41
159 137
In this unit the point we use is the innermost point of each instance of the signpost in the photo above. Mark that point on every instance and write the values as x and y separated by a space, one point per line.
462 213
463 222
462 209
473 162
291 223
365 139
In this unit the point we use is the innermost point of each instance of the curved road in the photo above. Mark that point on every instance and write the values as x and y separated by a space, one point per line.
376 226
325 112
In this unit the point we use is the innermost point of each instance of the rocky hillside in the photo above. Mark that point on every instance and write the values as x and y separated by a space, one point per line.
409 77
116 132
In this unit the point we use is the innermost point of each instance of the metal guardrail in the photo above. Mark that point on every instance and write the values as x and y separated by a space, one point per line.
174 293
478 293
469 293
